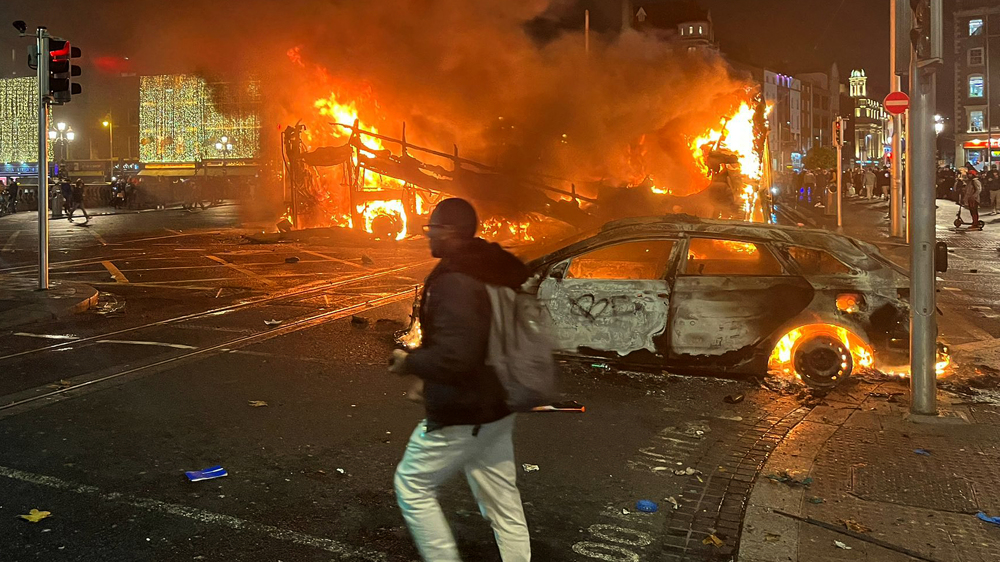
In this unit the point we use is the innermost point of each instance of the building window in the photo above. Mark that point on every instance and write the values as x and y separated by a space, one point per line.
976 86
700 30
690 29
976 57
977 123
975 26
682 31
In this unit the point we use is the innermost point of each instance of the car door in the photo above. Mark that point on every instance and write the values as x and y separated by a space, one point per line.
729 296
612 299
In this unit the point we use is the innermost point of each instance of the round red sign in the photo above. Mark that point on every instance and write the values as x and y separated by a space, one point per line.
896 103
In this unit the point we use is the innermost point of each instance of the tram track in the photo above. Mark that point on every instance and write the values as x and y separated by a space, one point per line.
295 293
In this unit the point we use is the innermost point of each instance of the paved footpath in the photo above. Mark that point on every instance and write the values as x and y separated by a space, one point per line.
859 479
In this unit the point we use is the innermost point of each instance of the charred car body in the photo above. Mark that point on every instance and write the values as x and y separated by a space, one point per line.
689 294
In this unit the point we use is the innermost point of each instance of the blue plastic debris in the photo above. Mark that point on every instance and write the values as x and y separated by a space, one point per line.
923 452
207 474
988 519
646 506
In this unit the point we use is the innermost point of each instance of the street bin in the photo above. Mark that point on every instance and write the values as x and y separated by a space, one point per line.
56 202
831 200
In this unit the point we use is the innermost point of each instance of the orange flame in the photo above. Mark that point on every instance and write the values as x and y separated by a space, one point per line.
781 362
371 210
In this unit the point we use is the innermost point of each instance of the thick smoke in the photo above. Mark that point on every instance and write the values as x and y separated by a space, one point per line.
451 69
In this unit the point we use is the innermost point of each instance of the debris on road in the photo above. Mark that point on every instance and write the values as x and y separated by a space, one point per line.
359 321
982 516
61 384
815 499
530 467
647 506
784 477
367 260
922 452
713 540
292 259
734 398
206 474
687 472
568 406
841 545
852 525
272 322
772 537
34 516
673 502
256 403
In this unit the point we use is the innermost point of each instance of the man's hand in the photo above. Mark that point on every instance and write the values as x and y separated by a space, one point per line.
397 363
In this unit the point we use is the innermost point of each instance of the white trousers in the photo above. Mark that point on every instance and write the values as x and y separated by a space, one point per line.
488 462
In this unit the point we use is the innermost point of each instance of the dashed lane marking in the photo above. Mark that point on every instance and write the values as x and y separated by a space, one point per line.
116 273
46 336
9 246
242 270
337 548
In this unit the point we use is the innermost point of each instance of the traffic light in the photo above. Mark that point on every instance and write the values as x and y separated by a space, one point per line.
838 131
925 33
62 70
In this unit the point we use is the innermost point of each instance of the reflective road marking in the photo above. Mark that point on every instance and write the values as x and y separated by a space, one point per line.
115 272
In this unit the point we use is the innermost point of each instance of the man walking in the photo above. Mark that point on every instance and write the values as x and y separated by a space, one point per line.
468 427
992 185
76 201
12 188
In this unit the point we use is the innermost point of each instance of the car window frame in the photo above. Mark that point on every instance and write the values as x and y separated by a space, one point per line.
562 266
682 264
783 251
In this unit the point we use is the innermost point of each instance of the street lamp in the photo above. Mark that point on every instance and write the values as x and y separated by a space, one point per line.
62 134
938 124
111 138
225 147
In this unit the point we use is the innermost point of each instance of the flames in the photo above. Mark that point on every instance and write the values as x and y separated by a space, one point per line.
736 133
393 211
781 360
499 228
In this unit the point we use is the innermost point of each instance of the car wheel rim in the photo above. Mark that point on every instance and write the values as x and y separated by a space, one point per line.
823 361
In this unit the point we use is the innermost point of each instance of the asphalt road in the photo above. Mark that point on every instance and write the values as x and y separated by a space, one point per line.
101 413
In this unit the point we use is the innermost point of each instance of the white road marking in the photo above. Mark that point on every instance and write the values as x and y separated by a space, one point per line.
329 545
98 236
46 336
116 273
9 246
150 343
242 270
331 258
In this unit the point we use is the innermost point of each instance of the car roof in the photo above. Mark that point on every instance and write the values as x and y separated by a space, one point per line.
855 252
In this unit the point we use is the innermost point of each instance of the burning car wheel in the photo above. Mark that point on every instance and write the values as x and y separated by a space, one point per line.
386 227
822 361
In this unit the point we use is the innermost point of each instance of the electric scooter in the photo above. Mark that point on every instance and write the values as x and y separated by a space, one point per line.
959 221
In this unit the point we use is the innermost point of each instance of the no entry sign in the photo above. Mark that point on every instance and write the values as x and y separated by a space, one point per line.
896 103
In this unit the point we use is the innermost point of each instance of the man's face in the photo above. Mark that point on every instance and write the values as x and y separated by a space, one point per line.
443 240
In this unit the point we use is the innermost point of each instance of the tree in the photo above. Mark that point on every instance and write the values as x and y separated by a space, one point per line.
821 157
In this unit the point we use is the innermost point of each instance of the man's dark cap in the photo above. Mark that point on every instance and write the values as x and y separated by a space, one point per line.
456 213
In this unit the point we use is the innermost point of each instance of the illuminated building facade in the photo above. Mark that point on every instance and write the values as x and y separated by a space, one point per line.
18 121
977 82
182 117
870 118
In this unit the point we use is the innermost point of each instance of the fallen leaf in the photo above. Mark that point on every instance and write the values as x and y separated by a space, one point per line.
815 499
853 525
674 502
35 516
772 537
841 545
530 467
256 403
713 540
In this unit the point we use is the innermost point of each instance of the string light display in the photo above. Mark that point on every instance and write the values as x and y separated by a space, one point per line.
182 116
18 120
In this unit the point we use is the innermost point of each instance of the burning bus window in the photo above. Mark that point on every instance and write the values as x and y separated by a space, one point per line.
729 257
816 262
643 260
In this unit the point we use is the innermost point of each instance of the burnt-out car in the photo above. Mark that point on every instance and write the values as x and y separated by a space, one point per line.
689 294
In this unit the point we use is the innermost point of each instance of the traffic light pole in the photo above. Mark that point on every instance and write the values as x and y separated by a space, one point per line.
899 28
43 159
920 170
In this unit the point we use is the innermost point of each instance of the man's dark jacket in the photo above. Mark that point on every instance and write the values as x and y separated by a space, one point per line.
455 312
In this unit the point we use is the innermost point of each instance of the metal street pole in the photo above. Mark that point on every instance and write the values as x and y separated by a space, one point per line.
896 193
921 168
42 37
840 183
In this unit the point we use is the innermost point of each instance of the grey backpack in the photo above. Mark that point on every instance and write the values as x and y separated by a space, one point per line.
520 349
